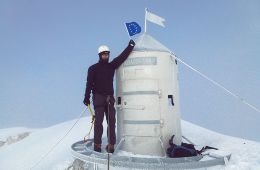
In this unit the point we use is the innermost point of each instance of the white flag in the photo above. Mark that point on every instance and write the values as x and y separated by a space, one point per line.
155 18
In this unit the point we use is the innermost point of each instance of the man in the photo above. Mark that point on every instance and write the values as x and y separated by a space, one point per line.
100 82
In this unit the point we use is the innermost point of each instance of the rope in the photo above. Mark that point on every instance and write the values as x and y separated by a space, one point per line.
218 84
92 124
59 141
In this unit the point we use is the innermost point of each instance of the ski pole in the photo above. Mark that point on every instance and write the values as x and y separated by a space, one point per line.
108 132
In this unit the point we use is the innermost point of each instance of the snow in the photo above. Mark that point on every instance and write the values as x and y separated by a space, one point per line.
30 152
12 135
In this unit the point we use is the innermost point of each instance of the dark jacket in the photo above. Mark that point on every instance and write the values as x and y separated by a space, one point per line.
101 75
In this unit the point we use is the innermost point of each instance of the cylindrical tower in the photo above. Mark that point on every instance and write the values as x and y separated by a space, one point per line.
147 98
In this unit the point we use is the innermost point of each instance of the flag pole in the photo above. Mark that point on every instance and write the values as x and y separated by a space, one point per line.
145 20
127 31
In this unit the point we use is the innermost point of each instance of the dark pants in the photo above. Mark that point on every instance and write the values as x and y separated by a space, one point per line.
101 106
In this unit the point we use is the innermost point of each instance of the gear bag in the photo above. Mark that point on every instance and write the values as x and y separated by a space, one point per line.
184 150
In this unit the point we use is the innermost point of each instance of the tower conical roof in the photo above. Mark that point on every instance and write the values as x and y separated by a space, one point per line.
147 43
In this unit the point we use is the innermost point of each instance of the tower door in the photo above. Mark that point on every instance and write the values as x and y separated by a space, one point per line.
141 108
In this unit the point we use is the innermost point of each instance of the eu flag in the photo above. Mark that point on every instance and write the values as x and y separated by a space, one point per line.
133 28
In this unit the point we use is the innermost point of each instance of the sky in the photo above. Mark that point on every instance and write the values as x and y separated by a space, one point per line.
47 46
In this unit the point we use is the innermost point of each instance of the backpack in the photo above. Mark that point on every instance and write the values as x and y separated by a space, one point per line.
181 151
184 150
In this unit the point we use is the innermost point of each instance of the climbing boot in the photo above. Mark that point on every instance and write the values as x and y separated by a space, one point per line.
97 147
110 148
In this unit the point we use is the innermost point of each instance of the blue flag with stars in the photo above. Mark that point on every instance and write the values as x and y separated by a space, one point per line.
133 28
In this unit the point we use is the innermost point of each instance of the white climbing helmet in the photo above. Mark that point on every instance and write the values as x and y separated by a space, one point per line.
103 48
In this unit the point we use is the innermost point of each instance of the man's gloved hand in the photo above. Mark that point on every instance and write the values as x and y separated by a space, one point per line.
131 42
86 101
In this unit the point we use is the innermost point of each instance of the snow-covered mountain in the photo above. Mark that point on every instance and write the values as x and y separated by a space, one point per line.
23 148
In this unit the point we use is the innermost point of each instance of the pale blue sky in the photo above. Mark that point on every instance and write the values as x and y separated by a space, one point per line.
47 46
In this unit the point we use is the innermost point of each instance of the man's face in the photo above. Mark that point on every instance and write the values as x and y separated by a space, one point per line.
104 56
